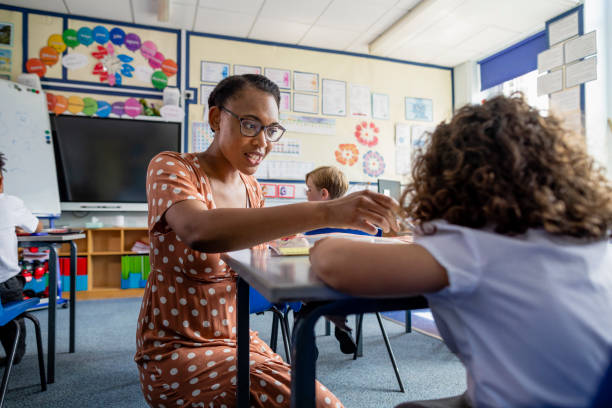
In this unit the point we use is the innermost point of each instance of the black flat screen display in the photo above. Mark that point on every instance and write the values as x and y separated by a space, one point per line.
105 159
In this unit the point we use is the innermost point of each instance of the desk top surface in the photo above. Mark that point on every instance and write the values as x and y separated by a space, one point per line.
51 237
280 278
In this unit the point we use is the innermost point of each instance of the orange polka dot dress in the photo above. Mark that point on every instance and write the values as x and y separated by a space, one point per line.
186 336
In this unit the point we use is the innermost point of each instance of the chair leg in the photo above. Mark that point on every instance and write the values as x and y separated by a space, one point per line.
327 328
390 351
284 332
9 363
358 338
274 332
41 359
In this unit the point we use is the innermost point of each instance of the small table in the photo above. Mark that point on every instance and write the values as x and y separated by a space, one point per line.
289 279
51 242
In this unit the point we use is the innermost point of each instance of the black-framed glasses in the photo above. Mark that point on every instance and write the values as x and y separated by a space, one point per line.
251 127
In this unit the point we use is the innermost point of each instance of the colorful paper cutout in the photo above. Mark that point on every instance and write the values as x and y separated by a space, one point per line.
373 164
61 104
90 106
118 108
366 134
148 49
101 35
104 109
56 41
74 60
48 55
132 42
85 36
157 60
347 154
159 80
132 107
169 67
117 36
51 100
75 104
35 66
70 38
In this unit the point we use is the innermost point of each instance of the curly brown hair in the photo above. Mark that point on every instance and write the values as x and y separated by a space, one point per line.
502 164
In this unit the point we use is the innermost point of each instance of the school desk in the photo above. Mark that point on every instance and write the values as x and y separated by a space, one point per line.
52 242
290 279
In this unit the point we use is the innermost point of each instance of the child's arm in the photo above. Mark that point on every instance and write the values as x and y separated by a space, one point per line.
227 229
370 269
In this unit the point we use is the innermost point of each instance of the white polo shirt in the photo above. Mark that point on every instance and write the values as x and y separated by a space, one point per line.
529 316
13 213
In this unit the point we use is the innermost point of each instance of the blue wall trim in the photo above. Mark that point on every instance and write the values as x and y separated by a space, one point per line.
99 92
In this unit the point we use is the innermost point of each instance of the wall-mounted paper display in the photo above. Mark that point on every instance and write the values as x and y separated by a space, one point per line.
286 147
74 60
6 60
360 101
269 190
380 106
550 83
581 47
285 102
334 97
581 72
565 101
246 69
305 103
6 34
549 59
305 82
201 136
205 91
402 160
308 124
281 77
285 190
213 71
562 29
419 109
402 134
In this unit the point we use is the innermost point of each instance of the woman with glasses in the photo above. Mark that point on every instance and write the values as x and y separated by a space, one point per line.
203 204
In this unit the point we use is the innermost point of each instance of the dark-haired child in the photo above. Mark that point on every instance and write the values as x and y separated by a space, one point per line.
13 215
203 204
512 252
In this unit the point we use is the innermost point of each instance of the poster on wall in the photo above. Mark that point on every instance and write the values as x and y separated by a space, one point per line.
334 97
6 60
305 103
281 77
305 82
6 34
246 69
205 91
380 106
287 147
360 101
419 109
214 71
562 29
285 102
308 124
201 136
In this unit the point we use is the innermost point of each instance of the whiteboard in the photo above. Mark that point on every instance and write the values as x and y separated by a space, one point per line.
25 140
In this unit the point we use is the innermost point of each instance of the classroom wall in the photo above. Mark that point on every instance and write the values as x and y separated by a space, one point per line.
398 80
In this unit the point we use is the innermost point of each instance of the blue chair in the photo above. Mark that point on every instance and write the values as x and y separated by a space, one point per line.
9 313
358 334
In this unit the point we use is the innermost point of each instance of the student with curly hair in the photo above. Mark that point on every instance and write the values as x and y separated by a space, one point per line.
512 221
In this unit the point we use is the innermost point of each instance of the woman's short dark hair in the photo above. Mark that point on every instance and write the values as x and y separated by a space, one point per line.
231 85
502 164
2 163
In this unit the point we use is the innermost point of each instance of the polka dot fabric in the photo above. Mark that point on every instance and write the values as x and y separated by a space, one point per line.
186 335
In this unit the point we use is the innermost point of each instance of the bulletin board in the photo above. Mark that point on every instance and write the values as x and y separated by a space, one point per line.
361 142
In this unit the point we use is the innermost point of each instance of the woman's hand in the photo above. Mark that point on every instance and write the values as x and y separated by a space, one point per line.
364 210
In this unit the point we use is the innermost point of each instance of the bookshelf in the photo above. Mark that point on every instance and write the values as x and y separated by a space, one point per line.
104 248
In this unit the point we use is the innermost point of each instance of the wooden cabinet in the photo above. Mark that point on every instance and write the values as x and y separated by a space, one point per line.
104 248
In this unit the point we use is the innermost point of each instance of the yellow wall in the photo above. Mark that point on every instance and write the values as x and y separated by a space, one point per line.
394 79
40 27
14 18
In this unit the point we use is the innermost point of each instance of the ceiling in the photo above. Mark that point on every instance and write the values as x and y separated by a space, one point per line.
441 32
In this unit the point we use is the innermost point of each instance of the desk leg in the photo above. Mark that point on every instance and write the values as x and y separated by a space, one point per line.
73 267
242 343
408 320
53 266
303 363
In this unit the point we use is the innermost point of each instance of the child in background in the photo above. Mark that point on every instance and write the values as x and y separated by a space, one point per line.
13 215
327 183
511 249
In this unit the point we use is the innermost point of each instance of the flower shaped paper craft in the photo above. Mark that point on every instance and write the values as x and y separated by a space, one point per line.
373 164
347 154
366 134
111 67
